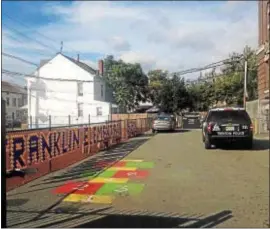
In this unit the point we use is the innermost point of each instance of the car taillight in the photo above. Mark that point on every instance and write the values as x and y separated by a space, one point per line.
209 127
251 127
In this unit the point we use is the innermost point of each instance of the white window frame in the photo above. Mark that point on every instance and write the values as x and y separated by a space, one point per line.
14 100
7 101
99 111
80 88
80 109
102 90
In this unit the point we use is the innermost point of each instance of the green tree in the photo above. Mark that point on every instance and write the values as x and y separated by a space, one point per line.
127 81
230 86
157 79
174 96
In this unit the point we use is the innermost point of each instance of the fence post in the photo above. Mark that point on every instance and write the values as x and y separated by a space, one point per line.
4 166
69 120
31 122
89 119
12 120
50 122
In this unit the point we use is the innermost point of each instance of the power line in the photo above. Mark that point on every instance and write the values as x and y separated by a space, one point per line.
32 49
44 78
22 34
209 66
19 58
27 26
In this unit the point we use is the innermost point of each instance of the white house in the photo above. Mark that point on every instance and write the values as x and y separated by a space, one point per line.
66 91
15 97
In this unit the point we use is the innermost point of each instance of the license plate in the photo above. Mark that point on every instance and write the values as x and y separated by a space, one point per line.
238 133
229 128
224 133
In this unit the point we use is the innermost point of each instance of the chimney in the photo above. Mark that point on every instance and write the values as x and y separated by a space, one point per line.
78 57
100 67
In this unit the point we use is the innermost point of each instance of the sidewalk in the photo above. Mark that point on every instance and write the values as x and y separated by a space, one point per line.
262 136
34 205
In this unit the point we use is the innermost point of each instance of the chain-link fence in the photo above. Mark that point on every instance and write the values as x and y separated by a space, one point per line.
258 111
41 122
50 121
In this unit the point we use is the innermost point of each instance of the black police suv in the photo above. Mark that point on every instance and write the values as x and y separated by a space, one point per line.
227 125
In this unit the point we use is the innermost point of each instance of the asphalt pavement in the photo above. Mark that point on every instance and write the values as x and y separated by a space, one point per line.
162 180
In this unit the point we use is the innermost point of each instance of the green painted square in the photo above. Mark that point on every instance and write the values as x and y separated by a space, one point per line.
107 174
141 165
88 174
120 189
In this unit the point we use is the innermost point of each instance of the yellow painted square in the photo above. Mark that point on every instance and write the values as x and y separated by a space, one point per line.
101 199
121 169
76 198
94 199
109 180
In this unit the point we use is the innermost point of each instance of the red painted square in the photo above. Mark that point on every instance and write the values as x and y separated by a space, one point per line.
120 164
68 187
88 189
137 174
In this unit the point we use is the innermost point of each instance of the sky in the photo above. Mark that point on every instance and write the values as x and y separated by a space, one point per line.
170 35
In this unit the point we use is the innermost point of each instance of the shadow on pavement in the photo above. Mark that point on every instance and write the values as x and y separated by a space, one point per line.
173 131
91 167
258 144
100 218
146 221
16 202
97 164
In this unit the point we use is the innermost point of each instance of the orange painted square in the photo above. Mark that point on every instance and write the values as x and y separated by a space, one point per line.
137 174
89 188
68 187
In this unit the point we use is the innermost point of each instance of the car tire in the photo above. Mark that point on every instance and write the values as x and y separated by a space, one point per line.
153 131
207 143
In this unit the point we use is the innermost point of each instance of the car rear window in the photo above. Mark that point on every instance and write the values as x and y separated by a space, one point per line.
164 118
215 116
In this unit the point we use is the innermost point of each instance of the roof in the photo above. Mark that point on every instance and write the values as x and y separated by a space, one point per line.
82 65
12 88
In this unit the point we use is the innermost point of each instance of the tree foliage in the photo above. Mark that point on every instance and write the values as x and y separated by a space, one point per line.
130 85
128 82
169 94
228 85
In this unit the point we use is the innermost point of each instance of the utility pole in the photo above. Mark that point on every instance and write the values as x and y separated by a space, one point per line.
61 48
245 86
37 99
3 152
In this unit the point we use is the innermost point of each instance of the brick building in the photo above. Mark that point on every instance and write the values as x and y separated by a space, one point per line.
263 49
263 61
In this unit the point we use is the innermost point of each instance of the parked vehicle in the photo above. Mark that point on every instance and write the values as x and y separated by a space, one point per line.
164 122
227 125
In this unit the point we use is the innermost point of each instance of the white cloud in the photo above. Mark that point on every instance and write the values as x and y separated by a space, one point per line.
170 35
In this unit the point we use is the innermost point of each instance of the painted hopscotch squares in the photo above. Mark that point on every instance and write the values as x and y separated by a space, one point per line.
112 182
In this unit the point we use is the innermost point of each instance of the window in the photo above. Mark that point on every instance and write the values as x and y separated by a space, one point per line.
80 110
19 102
80 88
14 102
7 100
101 90
99 111
215 116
